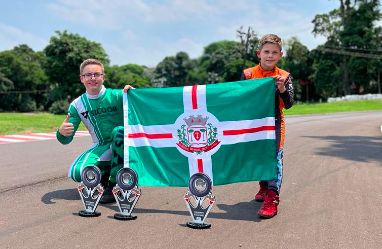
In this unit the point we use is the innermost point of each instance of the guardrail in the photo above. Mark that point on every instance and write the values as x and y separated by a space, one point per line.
355 97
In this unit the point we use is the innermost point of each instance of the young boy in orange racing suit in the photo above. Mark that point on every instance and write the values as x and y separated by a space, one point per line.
270 53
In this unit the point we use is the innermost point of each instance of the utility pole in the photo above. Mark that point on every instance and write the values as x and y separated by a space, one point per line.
159 82
379 81
212 77
345 9
244 41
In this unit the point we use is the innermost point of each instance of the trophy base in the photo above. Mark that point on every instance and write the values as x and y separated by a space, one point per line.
120 216
84 213
194 225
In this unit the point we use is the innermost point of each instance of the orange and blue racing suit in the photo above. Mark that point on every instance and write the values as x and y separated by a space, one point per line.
282 100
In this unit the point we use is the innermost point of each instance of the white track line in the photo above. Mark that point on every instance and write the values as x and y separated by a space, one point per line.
11 140
35 137
29 137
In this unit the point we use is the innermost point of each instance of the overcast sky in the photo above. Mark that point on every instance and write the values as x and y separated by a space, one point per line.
146 31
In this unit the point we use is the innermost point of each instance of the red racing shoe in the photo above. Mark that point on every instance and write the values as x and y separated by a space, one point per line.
260 196
269 208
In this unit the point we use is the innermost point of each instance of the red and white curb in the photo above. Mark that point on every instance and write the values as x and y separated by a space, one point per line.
35 137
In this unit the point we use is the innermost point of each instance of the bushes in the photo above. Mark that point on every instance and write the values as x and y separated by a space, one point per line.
27 104
59 107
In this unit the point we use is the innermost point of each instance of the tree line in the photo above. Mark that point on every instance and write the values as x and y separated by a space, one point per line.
349 62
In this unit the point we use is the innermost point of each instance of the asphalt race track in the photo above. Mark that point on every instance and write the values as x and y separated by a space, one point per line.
330 198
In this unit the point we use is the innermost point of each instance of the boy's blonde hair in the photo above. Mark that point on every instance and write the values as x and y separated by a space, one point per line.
90 62
270 38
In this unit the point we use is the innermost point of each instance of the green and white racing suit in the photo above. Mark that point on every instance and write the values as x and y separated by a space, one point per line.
102 115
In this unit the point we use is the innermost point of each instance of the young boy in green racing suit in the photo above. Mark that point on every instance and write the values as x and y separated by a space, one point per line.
101 111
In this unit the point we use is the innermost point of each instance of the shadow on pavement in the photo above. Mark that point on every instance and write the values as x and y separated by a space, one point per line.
70 195
240 211
65 194
355 148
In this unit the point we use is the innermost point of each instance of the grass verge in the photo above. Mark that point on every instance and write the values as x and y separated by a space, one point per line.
22 123
343 106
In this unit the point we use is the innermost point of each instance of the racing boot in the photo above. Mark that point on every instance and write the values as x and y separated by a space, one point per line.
108 196
260 196
269 208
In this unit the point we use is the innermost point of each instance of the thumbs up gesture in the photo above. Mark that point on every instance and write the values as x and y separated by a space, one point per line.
66 129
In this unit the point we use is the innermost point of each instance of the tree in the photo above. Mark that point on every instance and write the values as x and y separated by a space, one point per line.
21 73
351 27
175 69
229 58
6 85
327 74
248 43
216 57
299 63
130 74
330 25
359 33
233 70
218 54
64 54
221 61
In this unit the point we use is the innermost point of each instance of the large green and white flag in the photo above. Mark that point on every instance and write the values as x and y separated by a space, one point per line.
224 130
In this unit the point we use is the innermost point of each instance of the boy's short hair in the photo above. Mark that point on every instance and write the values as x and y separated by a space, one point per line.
90 62
270 38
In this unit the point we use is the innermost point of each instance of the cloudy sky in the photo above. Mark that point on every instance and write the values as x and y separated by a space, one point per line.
146 31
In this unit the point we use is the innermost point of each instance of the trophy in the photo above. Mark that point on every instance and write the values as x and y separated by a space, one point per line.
90 191
199 200
126 193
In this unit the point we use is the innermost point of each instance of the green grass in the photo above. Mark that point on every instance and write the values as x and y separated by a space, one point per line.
21 123
343 106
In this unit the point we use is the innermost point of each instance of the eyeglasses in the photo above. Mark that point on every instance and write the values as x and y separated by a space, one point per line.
89 76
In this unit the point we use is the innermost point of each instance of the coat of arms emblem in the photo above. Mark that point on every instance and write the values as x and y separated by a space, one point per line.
197 135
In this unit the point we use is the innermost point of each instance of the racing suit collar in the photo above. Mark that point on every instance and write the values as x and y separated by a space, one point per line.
98 95
270 73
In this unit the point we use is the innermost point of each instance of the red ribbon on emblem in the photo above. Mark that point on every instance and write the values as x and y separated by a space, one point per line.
194 149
